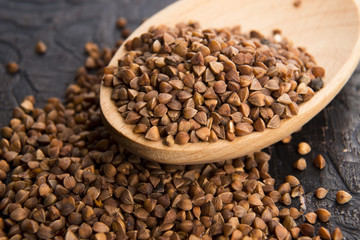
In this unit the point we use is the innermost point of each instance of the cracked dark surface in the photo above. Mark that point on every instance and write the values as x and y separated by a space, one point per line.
65 26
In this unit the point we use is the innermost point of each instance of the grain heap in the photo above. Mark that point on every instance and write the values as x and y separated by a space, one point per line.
187 84
62 176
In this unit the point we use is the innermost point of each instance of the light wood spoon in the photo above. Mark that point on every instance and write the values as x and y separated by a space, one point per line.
330 30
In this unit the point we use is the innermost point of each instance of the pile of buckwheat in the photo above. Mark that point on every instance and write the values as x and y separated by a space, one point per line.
187 84
64 177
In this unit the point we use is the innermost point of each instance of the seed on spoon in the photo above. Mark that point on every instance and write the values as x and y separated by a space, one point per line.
195 78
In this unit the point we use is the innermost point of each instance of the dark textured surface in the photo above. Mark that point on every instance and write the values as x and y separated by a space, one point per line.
66 25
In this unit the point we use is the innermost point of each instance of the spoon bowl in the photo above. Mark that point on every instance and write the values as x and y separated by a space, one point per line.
329 30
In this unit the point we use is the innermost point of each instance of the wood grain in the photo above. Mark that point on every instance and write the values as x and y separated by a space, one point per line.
330 32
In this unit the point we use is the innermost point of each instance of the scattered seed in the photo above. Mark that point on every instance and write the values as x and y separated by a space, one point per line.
12 67
292 180
342 197
320 193
324 233
307 229
311 217
337 234
300 164
304 148
319 161
121 22
281 232
40 47
323 214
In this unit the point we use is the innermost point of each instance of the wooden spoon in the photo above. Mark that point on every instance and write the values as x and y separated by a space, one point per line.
330 30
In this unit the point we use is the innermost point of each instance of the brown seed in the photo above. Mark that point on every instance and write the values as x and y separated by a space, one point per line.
143 234
216 67
109 170
228 229
311 217
141 214
121 22
234 99
203 133
297 191
201 118
100 227
12 67
44 190
274 122
66 205
160 110
132 117
307 229
320 193
293 181
319 161
70 235
29 226
153 134
281 232
304 148
199 70
18 214
254 200
300 164
185 204
40 47
342 197
85 230
189 113
295 232
257 99
284 188
323 214
224 110
337 234
284 99
248 218
318 71
164 98
197 59
125 32
286 199
295 213
182 138
21 196
44 232
220 87
324 233
259 125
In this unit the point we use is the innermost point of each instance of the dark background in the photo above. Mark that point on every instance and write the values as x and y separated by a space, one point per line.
65 26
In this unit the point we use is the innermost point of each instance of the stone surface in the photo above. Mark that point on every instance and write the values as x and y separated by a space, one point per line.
66 25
